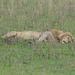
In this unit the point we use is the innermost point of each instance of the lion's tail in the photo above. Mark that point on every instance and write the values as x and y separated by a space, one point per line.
10 34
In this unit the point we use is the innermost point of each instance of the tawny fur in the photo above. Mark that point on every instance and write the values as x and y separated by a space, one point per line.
66 34
52 36
56 34
24 35
59 35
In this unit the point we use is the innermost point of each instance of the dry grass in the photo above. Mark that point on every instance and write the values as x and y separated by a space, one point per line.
27 57
37 15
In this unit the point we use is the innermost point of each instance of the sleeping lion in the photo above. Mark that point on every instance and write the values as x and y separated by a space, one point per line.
51 36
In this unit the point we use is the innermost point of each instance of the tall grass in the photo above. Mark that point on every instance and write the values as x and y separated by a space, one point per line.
25 57
38 15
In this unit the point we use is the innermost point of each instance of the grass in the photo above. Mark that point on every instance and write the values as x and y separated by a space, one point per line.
25 57
37 58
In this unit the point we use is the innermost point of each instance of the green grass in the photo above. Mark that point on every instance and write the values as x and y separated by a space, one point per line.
37 58
25 57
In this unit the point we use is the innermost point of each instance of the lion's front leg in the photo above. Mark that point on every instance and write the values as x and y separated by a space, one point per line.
50 37
46 36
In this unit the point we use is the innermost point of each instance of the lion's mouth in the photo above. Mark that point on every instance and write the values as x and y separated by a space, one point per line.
66 42
63 42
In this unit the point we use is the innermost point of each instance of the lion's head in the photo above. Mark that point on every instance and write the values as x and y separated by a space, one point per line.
66 38
62 37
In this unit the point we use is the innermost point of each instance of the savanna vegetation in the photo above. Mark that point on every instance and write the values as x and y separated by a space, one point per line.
26 57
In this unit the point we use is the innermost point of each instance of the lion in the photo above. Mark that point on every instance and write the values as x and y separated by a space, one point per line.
51 36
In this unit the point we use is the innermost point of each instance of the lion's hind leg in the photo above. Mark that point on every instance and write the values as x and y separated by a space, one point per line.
10 34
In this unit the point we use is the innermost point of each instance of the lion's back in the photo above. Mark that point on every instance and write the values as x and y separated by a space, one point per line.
29 35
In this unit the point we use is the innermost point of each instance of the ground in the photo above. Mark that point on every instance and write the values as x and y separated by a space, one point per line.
25 57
